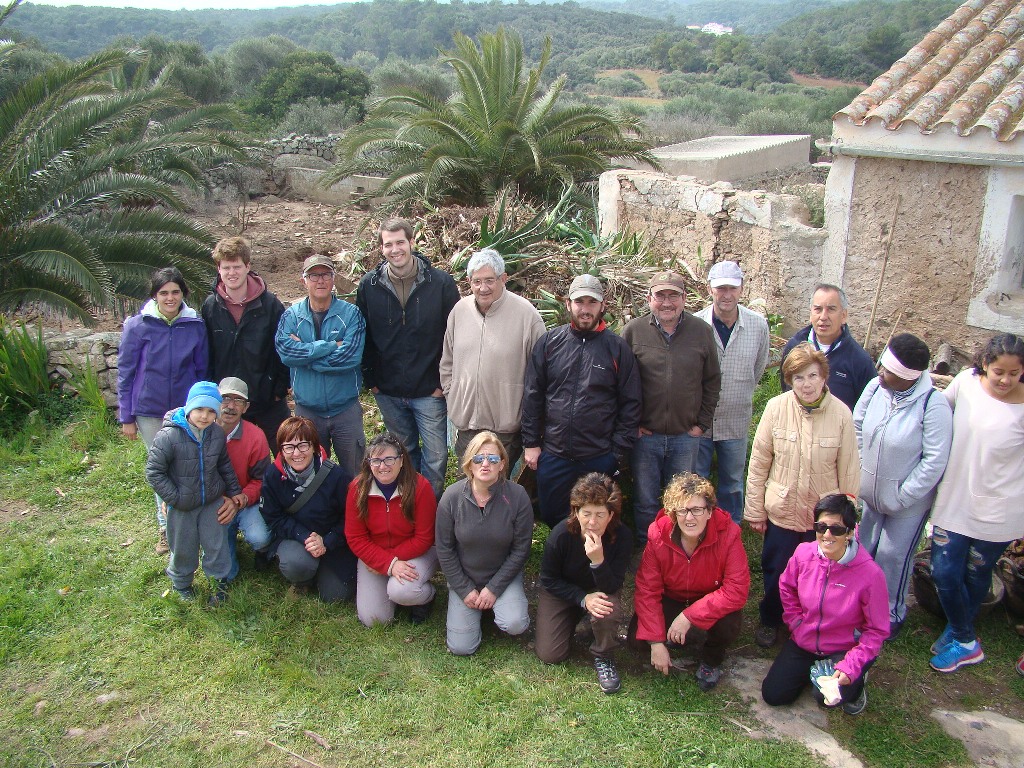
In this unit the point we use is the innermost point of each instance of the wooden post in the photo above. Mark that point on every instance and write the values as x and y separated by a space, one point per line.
943 358
881 275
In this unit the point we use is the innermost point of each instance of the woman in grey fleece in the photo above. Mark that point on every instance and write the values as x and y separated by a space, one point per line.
483 534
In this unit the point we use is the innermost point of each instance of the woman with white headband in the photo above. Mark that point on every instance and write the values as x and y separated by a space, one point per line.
904 433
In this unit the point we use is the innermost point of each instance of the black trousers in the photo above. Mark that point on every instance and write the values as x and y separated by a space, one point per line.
790 673
710 645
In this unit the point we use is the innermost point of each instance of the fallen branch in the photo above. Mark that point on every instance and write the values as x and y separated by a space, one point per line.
296 755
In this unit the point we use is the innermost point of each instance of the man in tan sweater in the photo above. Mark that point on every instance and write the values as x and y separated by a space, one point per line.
487 344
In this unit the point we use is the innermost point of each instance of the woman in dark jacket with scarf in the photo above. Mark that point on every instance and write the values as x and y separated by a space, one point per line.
309 542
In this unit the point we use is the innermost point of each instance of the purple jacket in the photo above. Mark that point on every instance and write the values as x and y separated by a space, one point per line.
824 603
157 362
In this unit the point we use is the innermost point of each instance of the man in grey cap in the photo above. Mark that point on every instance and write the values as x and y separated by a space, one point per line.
741 336
250 456
681 377
581 408
321 340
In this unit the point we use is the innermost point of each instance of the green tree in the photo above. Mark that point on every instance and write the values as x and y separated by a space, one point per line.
87 206
498 128
309 75
248 61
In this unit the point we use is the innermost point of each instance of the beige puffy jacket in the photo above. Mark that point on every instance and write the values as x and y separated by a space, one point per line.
799 456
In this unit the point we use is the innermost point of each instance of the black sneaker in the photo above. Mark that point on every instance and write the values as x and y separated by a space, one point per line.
186 593
418 614
766 636
219 595
261 562
856 706
607 675
708 676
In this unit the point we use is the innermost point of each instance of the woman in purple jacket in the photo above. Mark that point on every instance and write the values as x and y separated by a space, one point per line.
837 609
162 354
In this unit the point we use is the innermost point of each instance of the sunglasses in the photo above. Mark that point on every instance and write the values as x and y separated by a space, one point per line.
835 530
492 458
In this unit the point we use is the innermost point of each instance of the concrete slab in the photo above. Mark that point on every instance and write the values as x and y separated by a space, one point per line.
990 738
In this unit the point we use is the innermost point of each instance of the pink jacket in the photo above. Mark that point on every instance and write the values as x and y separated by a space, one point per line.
386 534
715 581
824 603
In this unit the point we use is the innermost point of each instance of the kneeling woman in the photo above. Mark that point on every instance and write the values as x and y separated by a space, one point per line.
390 528
304 506
483 535
693 580
836 606
584 565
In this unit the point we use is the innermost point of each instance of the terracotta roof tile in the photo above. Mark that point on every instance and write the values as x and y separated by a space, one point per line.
967 73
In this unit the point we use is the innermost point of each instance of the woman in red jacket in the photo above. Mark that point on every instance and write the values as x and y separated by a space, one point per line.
693 580
390 528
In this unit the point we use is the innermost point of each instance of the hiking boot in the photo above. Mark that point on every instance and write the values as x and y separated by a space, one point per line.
957 655
299 590
261 562
418 614
607 675
162 547
944 639
219 595
856 706
895 627
186 593
766 636
708 676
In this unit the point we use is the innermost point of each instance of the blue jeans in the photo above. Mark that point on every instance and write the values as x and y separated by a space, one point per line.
656 460
255 530
556 477
962 570
416 419
732 465
343 431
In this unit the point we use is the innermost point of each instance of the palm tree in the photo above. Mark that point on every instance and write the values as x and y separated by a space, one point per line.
499 128
88 202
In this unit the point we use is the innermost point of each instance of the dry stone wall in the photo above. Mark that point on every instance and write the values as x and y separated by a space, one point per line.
72 352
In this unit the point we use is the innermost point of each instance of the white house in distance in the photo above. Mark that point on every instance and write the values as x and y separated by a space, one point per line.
931 156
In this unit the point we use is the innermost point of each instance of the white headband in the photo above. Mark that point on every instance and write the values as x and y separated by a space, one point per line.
894 366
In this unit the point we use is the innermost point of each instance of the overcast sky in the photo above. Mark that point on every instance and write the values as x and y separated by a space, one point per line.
191 5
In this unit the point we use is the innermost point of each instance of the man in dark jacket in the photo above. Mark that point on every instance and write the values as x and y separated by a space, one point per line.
406 303
241 318
850 368
581 408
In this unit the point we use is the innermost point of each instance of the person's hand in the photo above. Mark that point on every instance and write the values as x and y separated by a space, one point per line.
375 390
844 679
315 545
760 527
130 430
293 337
594 547
487 599
677 629
695 431
437 393
641 432
660 658
404 571
472 600
598 604
227 511
241 500
530 456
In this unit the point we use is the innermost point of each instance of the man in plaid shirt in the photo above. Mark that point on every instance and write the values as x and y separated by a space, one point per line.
741 336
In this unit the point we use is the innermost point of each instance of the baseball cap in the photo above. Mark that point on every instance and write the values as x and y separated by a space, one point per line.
317 260
667 281
725 273
586 285
232 385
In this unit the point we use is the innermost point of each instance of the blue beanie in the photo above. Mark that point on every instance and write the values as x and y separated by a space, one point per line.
203 394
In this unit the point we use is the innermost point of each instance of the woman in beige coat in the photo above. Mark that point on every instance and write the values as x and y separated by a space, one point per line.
805 448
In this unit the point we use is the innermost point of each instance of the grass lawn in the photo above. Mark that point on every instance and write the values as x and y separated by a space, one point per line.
99 667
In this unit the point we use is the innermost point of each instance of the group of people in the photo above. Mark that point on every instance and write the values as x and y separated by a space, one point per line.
671 398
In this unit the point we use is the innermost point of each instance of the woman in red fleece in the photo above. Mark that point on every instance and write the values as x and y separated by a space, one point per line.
390 528
693 580
835 603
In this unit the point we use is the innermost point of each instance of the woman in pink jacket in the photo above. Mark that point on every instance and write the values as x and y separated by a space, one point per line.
836 606
692 582
390 528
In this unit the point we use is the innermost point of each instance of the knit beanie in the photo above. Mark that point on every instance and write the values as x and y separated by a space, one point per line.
203 394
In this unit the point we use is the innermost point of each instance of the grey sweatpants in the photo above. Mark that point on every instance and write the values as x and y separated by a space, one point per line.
892 542
186 533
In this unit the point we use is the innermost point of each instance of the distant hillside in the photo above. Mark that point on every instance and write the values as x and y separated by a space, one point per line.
752 17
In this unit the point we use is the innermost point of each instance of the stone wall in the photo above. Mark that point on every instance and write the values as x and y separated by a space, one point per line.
72 352
695 225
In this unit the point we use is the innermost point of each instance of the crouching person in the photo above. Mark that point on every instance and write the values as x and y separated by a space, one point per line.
836 606
692 582
304 506
189 468
584 565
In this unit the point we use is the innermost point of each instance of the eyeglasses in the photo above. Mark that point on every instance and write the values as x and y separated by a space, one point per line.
835 530
233 399
490 282
384 461
289 448
319 277
492 458
694 512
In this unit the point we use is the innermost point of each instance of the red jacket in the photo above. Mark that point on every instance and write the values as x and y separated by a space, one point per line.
715 581
386 534
250 456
